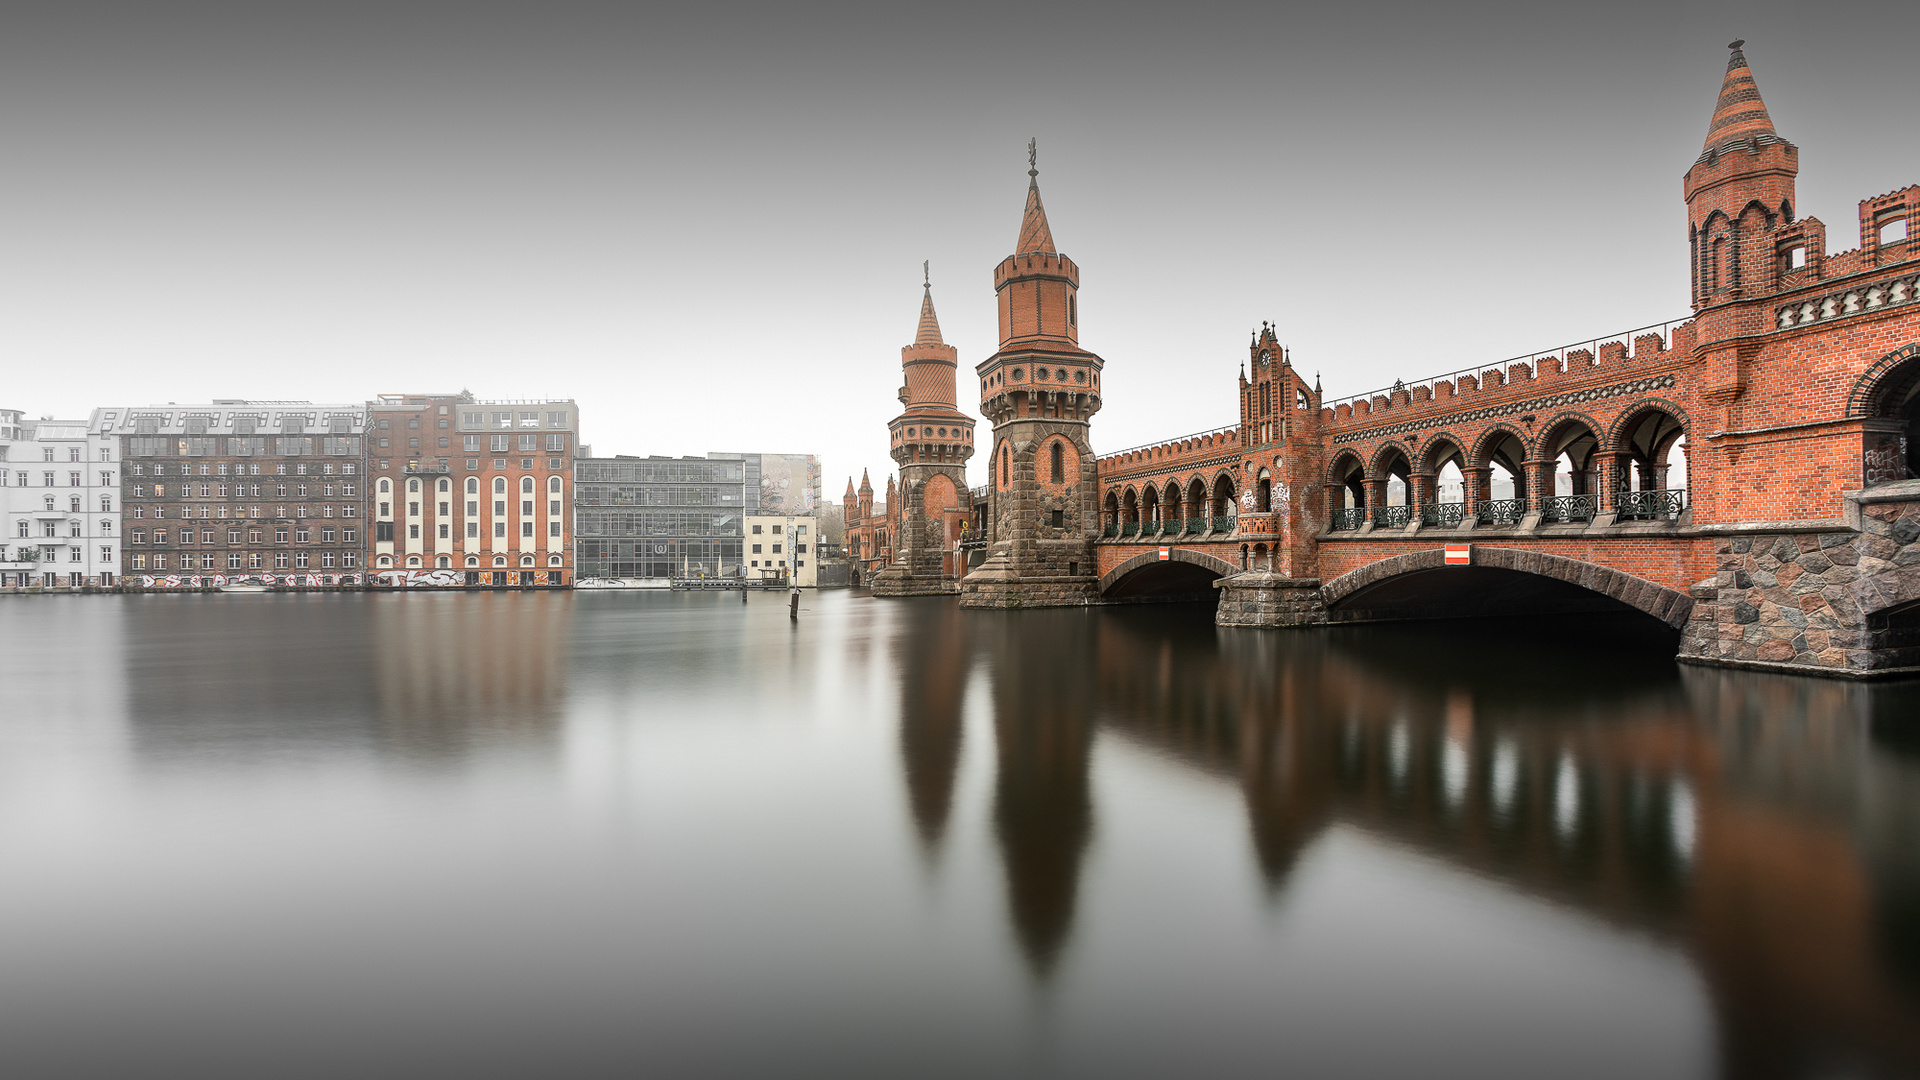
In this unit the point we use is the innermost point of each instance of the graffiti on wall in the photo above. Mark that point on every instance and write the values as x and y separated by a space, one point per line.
1886 460
217 581
420 579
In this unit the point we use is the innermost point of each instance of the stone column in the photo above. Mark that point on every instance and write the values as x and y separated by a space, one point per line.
1479 487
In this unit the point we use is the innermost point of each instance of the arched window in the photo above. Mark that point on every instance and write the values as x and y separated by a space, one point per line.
526 485
553 485
553 560
473 485
445 562
413 485
499 485
473 560
499 560
445 485
385 486
526 560
1003 466
1059 463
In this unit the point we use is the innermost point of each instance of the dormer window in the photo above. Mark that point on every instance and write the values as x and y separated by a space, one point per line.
1794 258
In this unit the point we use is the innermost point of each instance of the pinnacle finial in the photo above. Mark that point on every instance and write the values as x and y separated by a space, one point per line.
926 269
1033 162
1737 42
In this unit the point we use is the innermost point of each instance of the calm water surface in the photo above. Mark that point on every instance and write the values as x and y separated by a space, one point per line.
677 835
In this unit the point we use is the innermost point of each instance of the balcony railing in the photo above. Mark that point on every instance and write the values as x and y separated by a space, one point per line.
1349 519
1444 515
1111 530
1662 505
1130 528
1195 525
1222 524
1570 508
1392 517
1502 511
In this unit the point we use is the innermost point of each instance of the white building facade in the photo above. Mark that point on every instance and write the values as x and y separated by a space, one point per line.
59 504
778 546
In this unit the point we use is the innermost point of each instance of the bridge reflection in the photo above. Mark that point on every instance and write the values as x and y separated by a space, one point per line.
1763 825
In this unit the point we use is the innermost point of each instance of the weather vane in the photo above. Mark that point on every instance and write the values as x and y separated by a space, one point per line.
1033 157
926 268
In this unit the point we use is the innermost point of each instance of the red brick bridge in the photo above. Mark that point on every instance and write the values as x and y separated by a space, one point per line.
1742 476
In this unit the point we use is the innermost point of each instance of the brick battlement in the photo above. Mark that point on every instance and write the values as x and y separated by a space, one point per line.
1629 354
1184 450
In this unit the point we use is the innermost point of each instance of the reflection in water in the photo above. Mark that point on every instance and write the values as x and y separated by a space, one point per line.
552 833
932 656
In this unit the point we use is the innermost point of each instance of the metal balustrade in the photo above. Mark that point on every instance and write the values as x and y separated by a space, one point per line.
1111 530
1348 519
1196 525
1502 511
1131 528
1392 517
1223 524
1570 508
1659 505
1446 514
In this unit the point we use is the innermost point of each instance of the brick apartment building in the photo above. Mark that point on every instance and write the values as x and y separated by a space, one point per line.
241 492
471 492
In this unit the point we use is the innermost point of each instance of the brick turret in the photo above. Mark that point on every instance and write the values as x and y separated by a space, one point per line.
931 441
1040 391
1738 190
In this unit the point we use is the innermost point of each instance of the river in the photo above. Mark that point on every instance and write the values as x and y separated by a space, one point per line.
679 835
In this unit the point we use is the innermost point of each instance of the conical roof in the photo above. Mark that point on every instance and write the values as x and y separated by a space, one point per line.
849 486
865 484
1739 116
929 324
1034 233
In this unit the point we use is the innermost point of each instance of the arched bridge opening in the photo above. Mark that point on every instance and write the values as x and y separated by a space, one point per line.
1502 583
1181 576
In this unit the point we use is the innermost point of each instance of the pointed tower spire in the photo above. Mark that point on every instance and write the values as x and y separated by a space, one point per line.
1035 235
1739 116
929 323
849 487
865 484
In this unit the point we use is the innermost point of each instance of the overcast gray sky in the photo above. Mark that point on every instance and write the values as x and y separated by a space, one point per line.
706 222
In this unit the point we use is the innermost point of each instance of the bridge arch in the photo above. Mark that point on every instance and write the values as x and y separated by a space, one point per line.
1183 574
1440 449
1668 605
1646 432
1890 389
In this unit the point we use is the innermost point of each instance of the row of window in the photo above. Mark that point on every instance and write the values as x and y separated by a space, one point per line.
798 530
798 549
554 485
241 491
254 560
52 554
499 444
299 535
73 504
527 418
473 508
346 511
23 528
383 530
159 468
21 479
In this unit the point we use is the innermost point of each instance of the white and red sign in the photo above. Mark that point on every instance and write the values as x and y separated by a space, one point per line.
1166 553
1459 554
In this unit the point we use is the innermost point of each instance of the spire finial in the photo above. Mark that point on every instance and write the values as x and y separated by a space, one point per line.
926 268
1033 162
1737 42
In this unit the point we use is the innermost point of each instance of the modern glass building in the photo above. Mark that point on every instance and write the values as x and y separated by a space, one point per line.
659 517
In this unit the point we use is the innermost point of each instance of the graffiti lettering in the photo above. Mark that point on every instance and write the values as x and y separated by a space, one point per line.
1887 461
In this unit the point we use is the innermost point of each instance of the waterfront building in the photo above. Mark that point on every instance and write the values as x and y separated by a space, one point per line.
775 542
472 492
241 491
656 518
931 441
59 504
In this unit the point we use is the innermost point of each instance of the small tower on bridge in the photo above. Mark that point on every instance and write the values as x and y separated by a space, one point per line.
1040 391
931 441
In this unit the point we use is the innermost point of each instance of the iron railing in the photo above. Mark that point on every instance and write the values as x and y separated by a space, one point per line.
1196 524
1662 505
1569 508
1502 511
1442 514
1130 528
1222 524
1111 530
1392 517
1348 519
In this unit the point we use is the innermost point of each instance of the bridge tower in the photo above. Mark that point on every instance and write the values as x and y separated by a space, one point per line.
931 441
1040 391
1739 192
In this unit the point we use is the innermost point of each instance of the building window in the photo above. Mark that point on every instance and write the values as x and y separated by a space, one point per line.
139 562
326 560
279 560
347 535
526 528
233 560
756 532
443 532
413 532
1059 464
500 529
756 547
253 560
279 534
301 534
300 560
553 528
